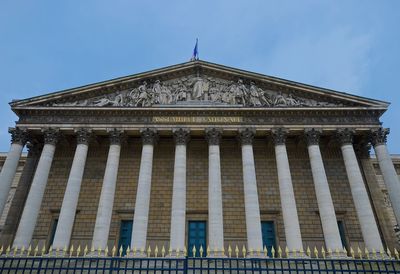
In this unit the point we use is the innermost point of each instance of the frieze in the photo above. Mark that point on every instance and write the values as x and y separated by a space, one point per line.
198 90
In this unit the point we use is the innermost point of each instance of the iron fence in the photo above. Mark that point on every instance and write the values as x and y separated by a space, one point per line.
44 264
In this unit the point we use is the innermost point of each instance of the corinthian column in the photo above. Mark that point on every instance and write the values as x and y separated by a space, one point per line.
215 214
252 208
388 171
104 211
288 201
29 216
142 204
178 213
365 214
324 199
66 219
18 140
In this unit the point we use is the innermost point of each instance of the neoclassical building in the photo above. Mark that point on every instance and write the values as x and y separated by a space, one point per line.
199 154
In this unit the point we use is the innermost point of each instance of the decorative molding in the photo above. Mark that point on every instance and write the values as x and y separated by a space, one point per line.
51 136
149 136
18 136
379 136
312 136
279 135
246 136
345 136
83 136
115 136
181 136
213 136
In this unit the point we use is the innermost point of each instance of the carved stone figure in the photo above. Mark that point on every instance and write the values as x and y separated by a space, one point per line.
254 95
214 93
239 92
280 101
181 94
165 96
144 97
102 102
290 101
200 87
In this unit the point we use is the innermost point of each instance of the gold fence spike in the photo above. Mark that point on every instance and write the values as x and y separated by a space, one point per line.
85 251
208 251
374 253
127 251
244 251
382 251
99 250
308 251
366 251
301 252
22 251
71 250
156 251
258 252
163 251
352 252
184 251
287 252
65 250
323 252
279 252
142 252
344 251
29 250
120 251
251 251
106 251
78 251
36 250
8 250
229 251
194 251
170 251
316 252
396 253
387 251
294 252
113 251
237 251
1 250
177 252
359 252
92 250
15 251
134 250
201 250
329 252
149 251
57 251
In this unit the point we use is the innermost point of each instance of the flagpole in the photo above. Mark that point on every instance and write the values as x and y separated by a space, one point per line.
197 43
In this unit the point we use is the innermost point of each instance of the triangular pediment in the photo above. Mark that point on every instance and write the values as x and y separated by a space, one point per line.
198 84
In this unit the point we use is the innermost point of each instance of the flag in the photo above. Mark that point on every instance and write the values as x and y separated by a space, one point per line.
195 55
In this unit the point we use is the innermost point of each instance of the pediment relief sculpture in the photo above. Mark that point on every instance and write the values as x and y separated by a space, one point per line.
198 90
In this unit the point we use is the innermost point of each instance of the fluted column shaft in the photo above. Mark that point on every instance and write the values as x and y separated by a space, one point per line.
178 212
66 218
33 202
106 201
389 174
252 208
324 199
215 209
18 140
365 214
288 201
142 204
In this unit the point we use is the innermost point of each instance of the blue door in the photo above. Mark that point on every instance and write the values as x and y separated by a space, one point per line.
342 234
197 237
268 235
125 235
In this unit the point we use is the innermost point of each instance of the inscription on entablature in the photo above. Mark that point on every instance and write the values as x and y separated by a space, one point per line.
197 119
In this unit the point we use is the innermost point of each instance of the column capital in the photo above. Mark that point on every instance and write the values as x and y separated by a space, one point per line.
312 136
246 136
34 148
362 149
379 136
83 136
345 136
279 135
18 136
213 136
149 136
115 136
181 135
51 135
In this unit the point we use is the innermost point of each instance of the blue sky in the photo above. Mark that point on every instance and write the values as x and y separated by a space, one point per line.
350 46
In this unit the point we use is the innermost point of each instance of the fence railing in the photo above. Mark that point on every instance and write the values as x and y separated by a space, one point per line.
182 265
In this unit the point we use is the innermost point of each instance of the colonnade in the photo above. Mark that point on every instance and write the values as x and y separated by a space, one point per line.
293 236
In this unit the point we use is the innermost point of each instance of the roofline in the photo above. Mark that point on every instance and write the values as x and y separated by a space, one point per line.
206 64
